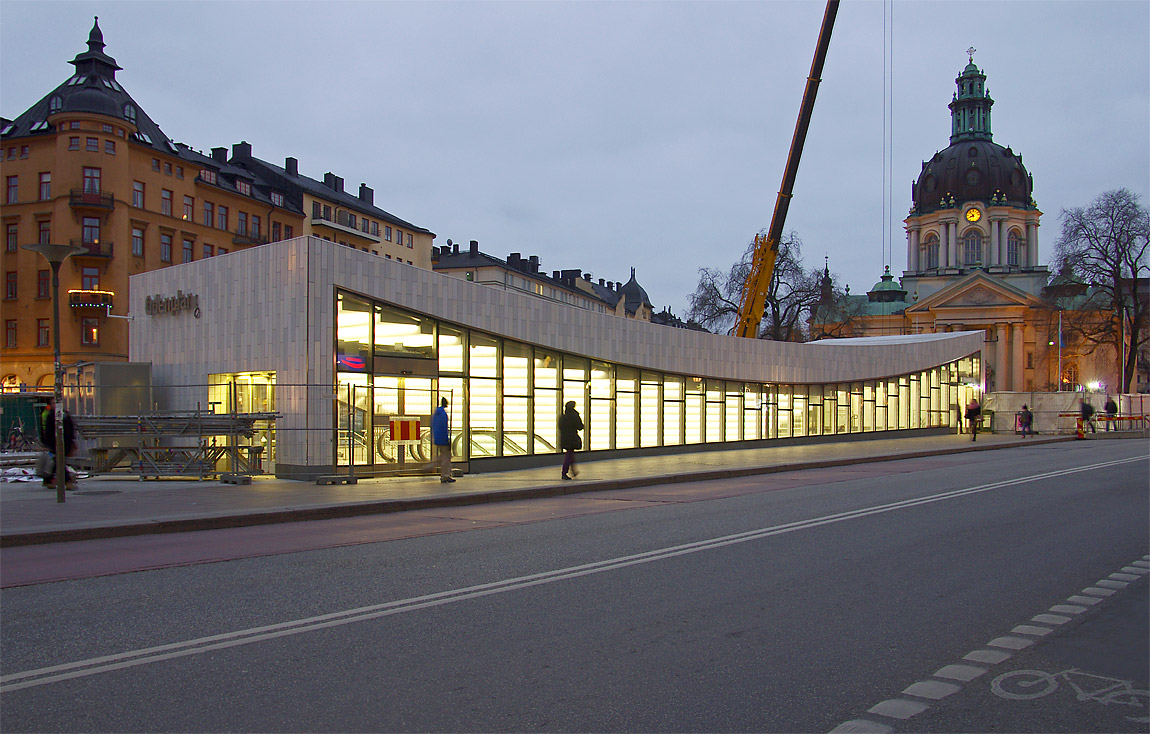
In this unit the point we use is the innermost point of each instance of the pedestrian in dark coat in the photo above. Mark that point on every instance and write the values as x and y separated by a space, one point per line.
1025 420
973 416
1087 416
569 442
1111 409
48 438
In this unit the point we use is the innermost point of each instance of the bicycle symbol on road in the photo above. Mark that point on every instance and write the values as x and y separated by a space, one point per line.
1021 685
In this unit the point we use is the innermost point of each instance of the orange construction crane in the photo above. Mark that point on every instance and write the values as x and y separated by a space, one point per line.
754 298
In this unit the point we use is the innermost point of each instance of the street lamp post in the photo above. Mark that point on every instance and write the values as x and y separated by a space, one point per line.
56 255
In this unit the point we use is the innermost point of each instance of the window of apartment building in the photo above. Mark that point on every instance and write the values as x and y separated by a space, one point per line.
55 104
327 212
188 245
10 333
12 237
12 153
275 231
221 250
155 164
91 180
45 232
74 125
222 218
106 128
167 168
165 247
208 176
110 147
244 188
10 281
24 151
375 228
90 332
90 279
93 144
90 231
43 283
409 243
209 212
277 198
399 237
137 242
74 142
41 332
13 190
255 226
189 208
289 231
316 209
241 223
45 186
138 194
130 113
166 202
387 233
207 250
351 220
179 172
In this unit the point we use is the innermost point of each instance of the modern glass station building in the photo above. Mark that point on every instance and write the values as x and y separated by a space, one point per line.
348 345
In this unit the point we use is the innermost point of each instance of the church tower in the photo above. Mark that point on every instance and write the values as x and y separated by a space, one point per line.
972 205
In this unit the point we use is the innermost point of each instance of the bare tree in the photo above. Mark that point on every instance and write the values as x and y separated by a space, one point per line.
1107 245
792 294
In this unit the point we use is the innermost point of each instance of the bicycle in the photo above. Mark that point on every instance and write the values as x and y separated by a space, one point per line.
18 441
1021 685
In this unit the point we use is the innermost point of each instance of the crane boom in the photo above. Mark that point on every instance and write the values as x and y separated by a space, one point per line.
755 288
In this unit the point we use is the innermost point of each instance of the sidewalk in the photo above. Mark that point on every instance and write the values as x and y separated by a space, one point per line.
107 506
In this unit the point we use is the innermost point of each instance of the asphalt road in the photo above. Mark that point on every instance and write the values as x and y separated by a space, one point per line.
806 602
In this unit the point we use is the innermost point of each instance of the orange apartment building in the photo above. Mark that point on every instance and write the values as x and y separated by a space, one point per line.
87 166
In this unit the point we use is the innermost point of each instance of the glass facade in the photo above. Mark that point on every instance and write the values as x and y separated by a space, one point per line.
505 397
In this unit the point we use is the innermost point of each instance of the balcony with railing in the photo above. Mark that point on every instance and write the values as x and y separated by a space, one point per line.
81 199
342 221
99 248
249 238
90 299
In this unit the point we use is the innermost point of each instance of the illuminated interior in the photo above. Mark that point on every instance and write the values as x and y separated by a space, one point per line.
505 397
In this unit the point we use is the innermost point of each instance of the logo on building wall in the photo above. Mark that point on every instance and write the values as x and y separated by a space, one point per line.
158 305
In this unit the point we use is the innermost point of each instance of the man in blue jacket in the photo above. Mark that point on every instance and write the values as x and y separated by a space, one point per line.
441 437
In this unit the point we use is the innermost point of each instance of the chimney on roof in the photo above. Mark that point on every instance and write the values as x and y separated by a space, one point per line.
474 247
366 195
618 286
220 155
601 282
242 149
291 165
454 248
514 260
534 260
329 180
587 277
338 184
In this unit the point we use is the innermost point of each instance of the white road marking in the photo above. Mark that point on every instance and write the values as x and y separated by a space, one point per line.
1050 619
1111 584
861 726
1068 609
1097 592
1088 600
990 657
932 689
964 673
1124 576
1030 629
132 658
1136 569
898 708
1010 643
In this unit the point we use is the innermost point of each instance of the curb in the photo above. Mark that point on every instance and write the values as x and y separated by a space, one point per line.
381 507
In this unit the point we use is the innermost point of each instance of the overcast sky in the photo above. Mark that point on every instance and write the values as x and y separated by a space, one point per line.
610 135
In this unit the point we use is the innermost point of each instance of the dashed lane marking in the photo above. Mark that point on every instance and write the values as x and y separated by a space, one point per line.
943 680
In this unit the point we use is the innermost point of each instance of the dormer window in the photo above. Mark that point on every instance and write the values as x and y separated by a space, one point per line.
41 125
208 176
244 188
277 198
54 105
78 79
130 112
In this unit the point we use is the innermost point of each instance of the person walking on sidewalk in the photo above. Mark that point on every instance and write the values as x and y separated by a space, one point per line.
973 416
441 437
1087 412
48 438
1111 409
569 442
1025 420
